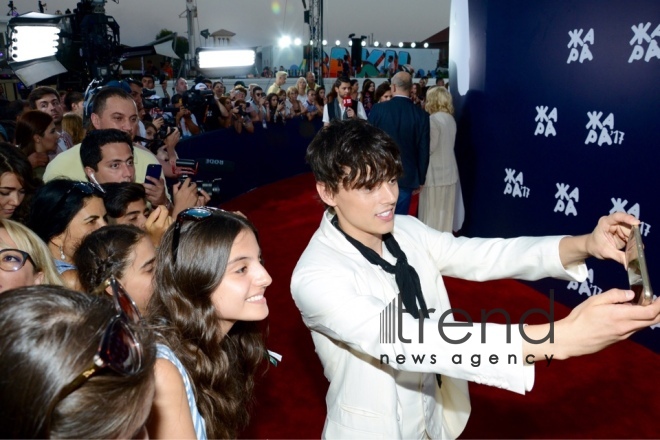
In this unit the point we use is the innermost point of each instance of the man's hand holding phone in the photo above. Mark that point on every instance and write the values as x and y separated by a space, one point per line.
154 186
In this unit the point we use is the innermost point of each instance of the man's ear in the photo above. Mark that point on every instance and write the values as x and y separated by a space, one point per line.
326 194
96 121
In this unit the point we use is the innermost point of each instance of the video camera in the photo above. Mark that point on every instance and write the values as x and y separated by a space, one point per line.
150 103
198 101
188 168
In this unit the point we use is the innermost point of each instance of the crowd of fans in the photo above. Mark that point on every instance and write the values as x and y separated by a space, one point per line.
83 224
160 315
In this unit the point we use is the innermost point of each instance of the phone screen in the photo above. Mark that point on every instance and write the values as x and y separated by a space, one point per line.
154 171
638 277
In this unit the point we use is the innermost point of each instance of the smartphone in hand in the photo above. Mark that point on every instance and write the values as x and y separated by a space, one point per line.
638 276
153 170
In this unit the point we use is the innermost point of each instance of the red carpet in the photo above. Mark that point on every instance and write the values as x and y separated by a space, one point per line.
612 394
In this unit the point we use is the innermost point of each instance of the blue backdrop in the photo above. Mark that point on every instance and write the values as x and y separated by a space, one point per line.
260 158
557 107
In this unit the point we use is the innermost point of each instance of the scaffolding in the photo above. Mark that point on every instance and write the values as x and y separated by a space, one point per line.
314 56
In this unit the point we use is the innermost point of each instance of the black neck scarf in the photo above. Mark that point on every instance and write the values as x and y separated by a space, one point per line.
405 275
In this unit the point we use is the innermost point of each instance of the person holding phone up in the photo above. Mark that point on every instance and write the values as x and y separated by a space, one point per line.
107 156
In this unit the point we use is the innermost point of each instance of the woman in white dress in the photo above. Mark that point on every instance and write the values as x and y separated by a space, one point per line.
438 196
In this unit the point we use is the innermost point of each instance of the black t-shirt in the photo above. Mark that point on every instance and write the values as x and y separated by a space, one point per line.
211 117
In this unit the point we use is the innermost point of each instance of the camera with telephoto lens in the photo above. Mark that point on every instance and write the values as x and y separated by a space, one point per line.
149 103
188 168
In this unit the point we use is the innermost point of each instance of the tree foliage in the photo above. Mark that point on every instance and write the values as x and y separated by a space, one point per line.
181 45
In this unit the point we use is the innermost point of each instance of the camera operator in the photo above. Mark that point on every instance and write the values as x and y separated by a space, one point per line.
202 105
185 120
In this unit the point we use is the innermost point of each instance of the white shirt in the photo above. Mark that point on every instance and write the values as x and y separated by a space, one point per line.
326 116
182 124
342 299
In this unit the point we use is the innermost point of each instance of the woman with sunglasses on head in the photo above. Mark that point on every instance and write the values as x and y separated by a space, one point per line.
124 251
24 258
73 366
63 212
208 298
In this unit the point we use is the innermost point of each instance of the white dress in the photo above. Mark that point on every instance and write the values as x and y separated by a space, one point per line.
438 199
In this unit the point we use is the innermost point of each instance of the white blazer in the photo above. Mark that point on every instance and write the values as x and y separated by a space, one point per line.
341 297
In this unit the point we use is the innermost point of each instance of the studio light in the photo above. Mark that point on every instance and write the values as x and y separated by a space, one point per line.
225 62
413 44
426 45
325 42
388 44
33 44
350 42
209 59
364 43
285 41
400 44
376 44
337 42
297 41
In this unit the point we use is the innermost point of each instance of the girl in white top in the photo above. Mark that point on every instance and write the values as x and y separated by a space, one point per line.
208 296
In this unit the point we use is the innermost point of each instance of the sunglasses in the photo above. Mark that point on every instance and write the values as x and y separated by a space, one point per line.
85 188
12 260
119 350
196 213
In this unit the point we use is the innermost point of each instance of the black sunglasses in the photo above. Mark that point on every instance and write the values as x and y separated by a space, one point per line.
196 213
85 188
119 350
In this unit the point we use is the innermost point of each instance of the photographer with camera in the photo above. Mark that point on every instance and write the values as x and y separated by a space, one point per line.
202 104
185 120
241 117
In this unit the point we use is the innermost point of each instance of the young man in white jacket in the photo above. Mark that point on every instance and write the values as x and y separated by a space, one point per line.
393 372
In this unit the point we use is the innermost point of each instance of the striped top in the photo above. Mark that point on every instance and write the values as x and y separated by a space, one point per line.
164 352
